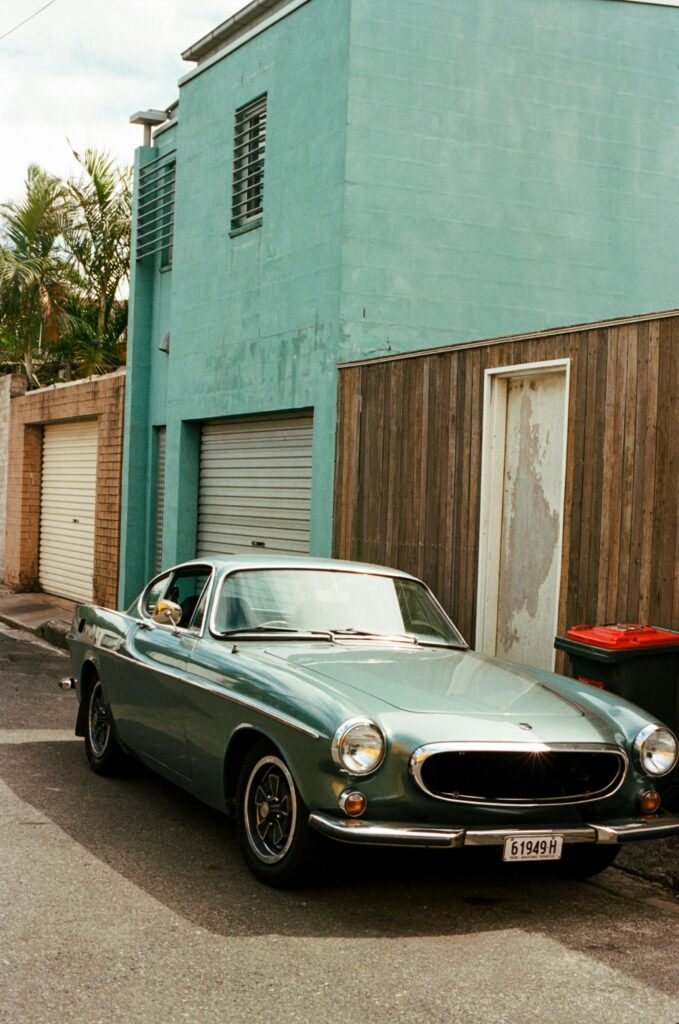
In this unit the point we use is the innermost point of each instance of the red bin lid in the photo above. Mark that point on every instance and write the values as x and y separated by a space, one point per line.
623 636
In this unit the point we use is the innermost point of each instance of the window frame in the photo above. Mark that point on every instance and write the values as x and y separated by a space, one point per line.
169 576
249 151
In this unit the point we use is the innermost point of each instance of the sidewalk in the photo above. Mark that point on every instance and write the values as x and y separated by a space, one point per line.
46 616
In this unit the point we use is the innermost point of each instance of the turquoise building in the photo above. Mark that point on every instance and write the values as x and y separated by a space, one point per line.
344 179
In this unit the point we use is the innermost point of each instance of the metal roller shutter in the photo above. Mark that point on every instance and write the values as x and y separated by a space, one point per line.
69 486
160 497
255 486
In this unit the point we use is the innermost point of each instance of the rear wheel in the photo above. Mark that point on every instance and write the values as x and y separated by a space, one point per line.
584 861
101 746
272 822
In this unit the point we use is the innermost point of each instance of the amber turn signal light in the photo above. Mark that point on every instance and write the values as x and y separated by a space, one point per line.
352 802
650 802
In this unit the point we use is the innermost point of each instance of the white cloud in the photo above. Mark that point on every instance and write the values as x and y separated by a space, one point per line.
78 70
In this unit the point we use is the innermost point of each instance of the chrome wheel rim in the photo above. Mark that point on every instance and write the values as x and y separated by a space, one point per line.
270 810
99 722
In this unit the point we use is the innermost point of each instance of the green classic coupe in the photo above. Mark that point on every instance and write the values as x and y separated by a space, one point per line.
315 698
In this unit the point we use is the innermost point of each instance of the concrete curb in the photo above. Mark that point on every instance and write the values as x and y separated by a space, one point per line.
54 631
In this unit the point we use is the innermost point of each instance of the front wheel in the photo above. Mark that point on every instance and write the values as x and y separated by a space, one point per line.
272 822
584 861
101 746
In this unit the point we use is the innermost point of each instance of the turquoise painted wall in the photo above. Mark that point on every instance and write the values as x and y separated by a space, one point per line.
512 165
145 396
437 171
254 318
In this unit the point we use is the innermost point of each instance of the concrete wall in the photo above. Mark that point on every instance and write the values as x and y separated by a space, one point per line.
102 397
512 165
11 386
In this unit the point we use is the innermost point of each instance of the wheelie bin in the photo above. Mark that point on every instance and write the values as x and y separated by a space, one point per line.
638 663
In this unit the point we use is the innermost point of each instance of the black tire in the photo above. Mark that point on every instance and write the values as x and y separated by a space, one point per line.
584 861
102 749
272 821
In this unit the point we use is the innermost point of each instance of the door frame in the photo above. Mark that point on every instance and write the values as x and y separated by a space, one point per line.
493 447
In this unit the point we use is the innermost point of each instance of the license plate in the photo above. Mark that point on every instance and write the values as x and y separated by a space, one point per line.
533 848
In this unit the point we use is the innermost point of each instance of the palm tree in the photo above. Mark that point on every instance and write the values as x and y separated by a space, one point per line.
97 238
34 273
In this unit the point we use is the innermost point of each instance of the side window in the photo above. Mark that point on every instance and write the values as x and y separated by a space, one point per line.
153 595
185 590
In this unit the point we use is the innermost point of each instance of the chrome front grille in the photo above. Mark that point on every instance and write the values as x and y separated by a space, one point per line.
518 774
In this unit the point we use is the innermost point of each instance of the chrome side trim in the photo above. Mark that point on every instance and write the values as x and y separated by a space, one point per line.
253 705
397 834
420 755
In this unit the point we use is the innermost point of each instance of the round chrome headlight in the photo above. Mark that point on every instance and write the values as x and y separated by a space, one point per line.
656 750
358 746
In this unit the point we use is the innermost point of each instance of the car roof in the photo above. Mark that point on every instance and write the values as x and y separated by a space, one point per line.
265 561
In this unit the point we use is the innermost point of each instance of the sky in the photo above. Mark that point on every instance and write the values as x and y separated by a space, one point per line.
78 70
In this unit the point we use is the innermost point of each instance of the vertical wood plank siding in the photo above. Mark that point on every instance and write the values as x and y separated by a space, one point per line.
408 469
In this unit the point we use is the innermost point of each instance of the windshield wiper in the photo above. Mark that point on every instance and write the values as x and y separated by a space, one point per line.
287 630
366 634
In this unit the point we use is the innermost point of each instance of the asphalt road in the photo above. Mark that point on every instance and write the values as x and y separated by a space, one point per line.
126 901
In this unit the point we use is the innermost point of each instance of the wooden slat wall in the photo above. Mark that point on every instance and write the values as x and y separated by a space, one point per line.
408 470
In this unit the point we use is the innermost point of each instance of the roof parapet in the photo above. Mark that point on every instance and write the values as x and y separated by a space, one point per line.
237 25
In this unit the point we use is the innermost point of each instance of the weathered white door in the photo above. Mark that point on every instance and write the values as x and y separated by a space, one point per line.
67 507
523 478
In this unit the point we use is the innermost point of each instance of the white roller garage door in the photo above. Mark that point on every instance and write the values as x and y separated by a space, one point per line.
69 484
255 486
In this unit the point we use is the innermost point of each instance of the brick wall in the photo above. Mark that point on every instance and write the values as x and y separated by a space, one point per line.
11 385
102 397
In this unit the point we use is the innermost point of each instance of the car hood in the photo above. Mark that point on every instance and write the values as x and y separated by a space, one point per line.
432 680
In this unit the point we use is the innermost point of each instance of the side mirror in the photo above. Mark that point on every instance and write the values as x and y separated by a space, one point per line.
167 613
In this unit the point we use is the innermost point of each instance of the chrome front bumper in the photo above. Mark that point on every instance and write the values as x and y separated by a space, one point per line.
353 830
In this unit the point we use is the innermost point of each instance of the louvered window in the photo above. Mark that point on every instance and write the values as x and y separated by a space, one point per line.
248 163
155 211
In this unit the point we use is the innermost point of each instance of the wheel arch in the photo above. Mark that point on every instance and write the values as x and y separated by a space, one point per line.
88 675
242 740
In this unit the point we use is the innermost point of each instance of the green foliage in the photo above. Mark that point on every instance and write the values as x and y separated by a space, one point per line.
64 262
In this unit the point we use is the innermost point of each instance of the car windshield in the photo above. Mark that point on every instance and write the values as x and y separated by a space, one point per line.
352 604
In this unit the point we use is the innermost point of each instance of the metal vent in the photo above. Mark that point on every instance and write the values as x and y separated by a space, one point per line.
160 497
248 163
155 211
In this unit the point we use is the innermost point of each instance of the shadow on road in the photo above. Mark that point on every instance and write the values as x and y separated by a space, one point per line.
185 856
